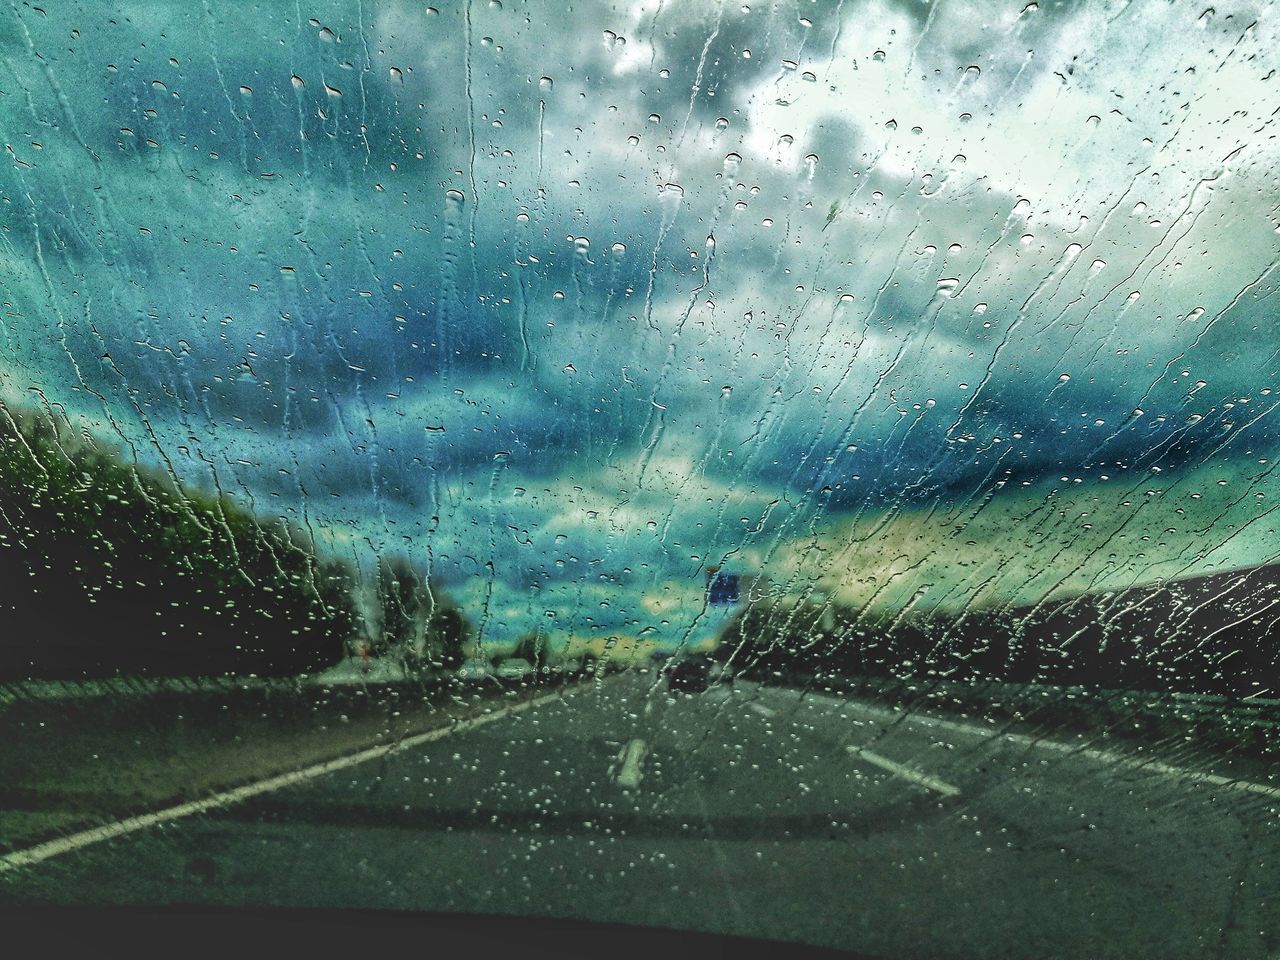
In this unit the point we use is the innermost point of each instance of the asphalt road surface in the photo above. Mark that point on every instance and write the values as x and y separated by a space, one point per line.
753 811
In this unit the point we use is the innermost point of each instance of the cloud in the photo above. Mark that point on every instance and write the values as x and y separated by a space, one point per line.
700 280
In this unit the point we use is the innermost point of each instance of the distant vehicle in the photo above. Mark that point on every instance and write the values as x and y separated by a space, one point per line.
514 668
690 674
474 670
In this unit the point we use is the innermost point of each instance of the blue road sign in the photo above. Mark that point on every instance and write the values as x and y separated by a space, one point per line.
723 590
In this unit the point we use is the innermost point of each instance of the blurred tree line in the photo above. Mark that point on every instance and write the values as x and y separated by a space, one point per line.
1213 634
111 569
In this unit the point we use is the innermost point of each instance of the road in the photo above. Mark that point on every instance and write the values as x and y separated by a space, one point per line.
757 811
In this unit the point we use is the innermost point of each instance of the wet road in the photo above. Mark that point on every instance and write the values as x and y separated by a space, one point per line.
753 811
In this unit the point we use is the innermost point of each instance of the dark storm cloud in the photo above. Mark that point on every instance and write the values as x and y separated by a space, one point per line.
458 259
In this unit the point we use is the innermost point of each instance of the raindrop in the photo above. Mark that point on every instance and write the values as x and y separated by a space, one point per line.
297 82
722 123
619 248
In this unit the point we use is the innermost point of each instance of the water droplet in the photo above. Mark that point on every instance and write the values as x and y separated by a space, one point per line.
397 75
545 83
722 123
619 248
878 55
297 82
245 90
655 118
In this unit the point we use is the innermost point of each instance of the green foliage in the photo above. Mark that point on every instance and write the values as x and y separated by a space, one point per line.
531 647
419 623
110 568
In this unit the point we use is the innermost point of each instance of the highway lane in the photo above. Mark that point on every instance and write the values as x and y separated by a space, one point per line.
754 811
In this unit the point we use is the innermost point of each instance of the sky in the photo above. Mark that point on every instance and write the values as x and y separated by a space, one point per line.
898 304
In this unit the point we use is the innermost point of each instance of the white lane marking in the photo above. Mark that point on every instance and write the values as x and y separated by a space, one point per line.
907 773
75 841
764 711
632 756
1091 753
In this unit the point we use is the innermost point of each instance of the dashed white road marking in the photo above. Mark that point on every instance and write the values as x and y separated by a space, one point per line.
907 773
764 711
84 838
632 756
1091 753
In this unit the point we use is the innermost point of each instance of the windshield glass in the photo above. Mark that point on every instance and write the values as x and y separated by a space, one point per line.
800 470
